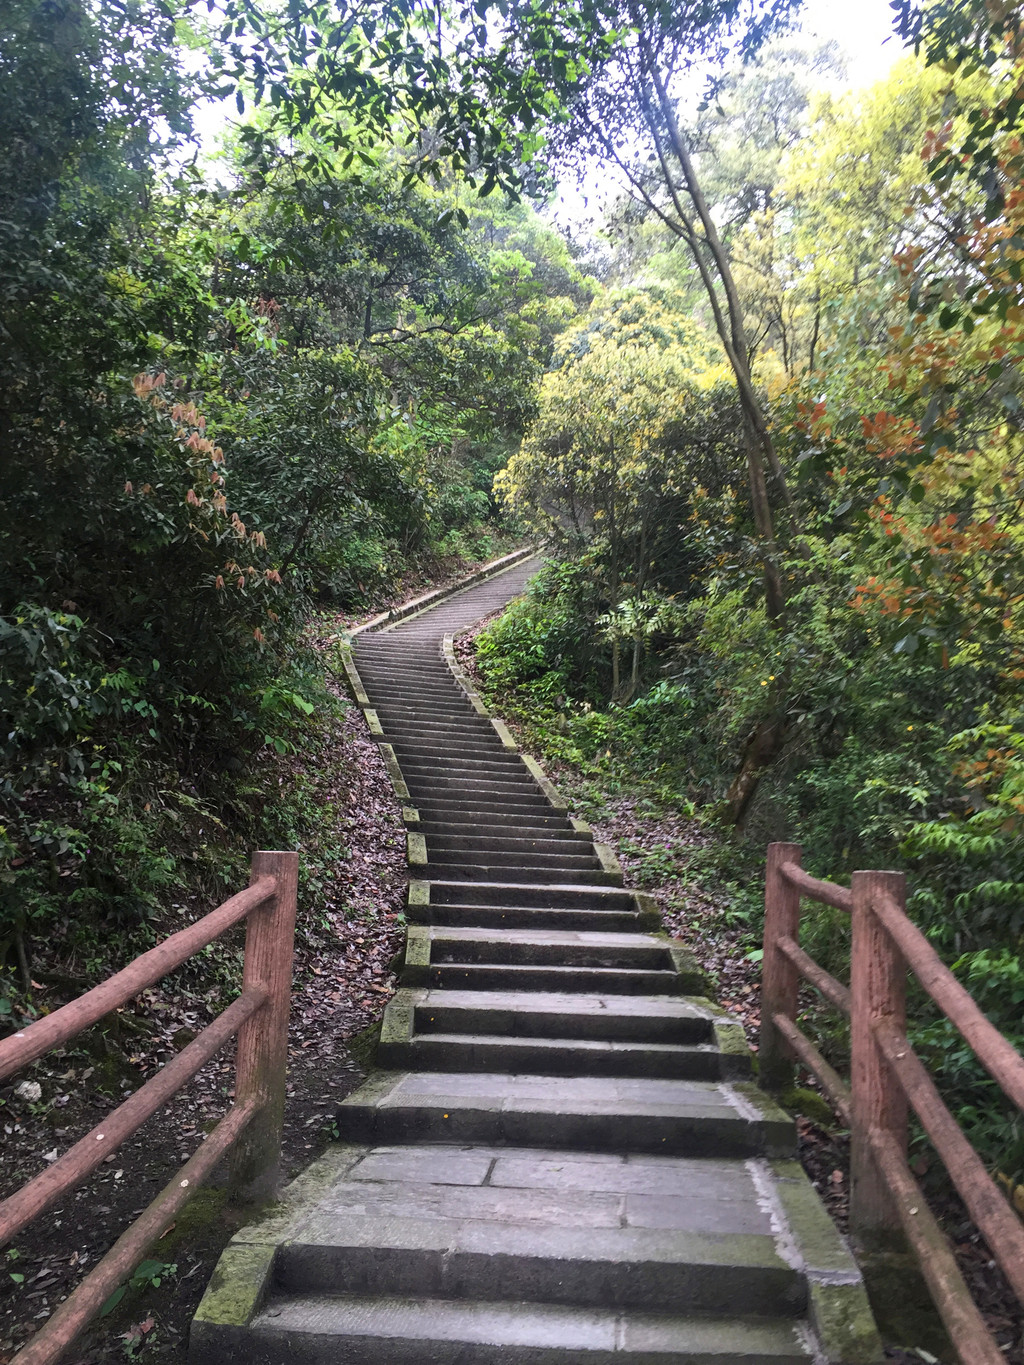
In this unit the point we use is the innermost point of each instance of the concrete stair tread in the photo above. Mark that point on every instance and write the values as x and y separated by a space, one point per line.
554 1002
589 1113
478 1222
497 916
549 938
525 1042
532 856
568 1055
610 895
405 1331
482 976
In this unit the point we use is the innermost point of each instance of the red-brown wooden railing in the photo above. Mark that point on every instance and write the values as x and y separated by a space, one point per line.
251 1129
887 1078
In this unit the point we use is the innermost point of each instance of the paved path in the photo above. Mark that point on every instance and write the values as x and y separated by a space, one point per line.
563 1158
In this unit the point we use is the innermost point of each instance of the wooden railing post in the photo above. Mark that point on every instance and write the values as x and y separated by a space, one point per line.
780 981
262 1058
878 987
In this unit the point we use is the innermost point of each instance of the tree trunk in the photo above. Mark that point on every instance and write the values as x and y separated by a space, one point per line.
763 747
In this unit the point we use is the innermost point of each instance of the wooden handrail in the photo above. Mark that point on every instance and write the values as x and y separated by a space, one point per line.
966 1327
822 980
81 1160
829 1079
56 1028
78 1310
1003 1230
251 1130
826 892
887 1076
996 1053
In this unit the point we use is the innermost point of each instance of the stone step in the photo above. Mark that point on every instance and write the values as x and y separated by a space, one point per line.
538 894
514 1014
433 716
464 1052
430 710
446 806
388 685
540 842
560 948
485 976
361 1330
475 873
461 764
555 1245
443 733
514 786
525 917
603 1114
419 750
437 704
459 825
535 860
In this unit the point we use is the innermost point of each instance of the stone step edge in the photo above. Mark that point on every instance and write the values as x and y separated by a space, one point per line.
398 1024
838 1312
434 1329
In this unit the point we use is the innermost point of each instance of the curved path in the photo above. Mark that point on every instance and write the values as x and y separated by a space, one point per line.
562 1158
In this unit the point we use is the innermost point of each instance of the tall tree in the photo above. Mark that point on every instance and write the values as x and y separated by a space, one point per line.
629 114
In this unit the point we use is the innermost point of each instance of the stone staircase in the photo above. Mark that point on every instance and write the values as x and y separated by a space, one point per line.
562 1158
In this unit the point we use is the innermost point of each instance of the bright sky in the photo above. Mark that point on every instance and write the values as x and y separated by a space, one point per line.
863 28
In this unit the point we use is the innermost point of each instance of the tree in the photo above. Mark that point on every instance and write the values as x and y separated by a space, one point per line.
636 404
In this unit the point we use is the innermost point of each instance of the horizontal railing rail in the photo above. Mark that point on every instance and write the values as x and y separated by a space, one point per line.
251 1129
888 1079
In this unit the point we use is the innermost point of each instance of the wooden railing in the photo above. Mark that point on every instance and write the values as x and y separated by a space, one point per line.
251 1129
887 1078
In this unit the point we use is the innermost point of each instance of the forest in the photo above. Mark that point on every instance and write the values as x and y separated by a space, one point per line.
767 421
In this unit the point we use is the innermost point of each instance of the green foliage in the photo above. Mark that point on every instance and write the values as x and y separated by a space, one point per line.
217 403
148 1274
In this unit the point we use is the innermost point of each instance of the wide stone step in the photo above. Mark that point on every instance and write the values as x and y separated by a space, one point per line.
447 806
464 1052
551 1014
359 1330
430 714
556 947
460 764
554 829
419 703
515 787
603 1114
485 872
509 1242
486 976
437 732
389 685
548 844
538 893
525 917
416 750
538 860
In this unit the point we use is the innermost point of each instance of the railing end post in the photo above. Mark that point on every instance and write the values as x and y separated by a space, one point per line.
878 988
780 983
262 1061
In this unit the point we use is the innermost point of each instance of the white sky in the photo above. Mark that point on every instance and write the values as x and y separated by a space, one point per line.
863 28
